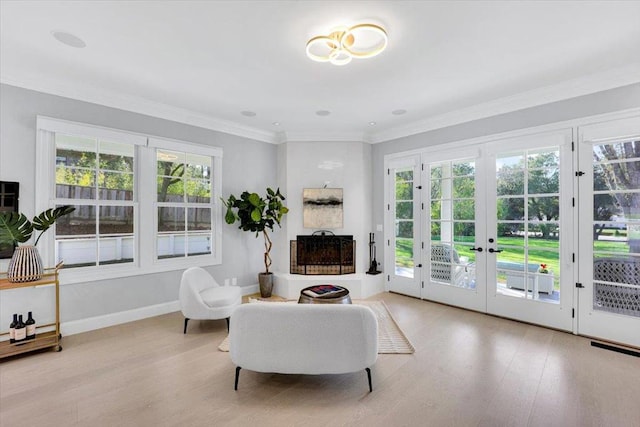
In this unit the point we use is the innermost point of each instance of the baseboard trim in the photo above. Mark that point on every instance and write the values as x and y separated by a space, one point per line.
98 322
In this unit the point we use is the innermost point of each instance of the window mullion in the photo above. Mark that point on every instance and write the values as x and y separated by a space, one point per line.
148 207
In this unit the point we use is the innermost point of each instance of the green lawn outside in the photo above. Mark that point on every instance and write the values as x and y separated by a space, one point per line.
540 250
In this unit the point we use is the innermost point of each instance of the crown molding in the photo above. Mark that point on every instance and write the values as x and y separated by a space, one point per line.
137 105
323 137
585 85
568 89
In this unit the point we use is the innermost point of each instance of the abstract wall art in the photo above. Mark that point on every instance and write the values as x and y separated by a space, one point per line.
322 208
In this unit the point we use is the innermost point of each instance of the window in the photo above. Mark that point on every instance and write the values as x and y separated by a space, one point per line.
116 181
185 202
96 177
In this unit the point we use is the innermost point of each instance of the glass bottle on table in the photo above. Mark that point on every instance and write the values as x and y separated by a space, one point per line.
20 333
31 327
12 329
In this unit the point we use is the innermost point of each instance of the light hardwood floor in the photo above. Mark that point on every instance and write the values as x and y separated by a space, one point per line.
469 369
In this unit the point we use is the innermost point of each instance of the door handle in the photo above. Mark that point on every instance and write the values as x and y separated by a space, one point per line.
495 250
476 249
419 265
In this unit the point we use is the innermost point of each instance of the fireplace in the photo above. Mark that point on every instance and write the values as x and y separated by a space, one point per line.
323 254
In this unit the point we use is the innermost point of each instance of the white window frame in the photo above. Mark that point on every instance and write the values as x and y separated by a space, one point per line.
215 205
145 171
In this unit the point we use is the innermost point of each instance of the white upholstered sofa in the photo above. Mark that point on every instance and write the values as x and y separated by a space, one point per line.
310 339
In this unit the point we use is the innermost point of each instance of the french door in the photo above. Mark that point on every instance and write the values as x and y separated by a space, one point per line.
529 229
494 219
454 218
609 237
403 218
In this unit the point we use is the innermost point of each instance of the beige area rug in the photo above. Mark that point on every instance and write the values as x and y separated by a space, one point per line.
391 339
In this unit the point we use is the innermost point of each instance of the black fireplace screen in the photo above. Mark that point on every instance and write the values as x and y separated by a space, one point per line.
323 255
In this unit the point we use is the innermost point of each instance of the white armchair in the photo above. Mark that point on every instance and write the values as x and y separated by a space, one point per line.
201 297
448 267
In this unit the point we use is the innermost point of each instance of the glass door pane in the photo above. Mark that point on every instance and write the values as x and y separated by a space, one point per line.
528 213
452 223
616 227
404 219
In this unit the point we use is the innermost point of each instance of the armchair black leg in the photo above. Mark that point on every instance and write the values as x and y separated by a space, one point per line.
228 324
235 386
369 376
186 320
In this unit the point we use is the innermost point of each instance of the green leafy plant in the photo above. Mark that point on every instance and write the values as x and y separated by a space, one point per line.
257 214
16 228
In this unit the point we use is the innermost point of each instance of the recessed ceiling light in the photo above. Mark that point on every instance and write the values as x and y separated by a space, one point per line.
68 39
323 112
398 112
372 123
276 123
248 113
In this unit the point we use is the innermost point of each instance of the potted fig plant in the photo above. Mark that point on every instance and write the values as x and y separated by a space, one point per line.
15 228
259 215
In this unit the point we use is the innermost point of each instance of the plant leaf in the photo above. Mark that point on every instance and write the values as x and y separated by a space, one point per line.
47 218
14 228
254 199
256 215
229 217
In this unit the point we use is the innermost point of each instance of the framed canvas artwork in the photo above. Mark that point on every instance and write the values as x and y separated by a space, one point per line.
322 208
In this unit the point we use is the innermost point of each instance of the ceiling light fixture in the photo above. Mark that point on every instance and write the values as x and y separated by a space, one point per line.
343 44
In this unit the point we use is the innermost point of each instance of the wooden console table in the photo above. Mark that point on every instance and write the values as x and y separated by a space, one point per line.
47 339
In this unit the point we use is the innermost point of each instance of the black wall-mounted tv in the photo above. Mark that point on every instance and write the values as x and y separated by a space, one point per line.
9 196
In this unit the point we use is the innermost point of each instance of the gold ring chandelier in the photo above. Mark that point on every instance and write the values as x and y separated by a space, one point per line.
343 44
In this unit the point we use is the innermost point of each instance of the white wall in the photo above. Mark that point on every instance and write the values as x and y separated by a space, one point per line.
345 165
247 165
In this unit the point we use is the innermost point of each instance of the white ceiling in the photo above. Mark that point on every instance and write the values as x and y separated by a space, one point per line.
203 62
